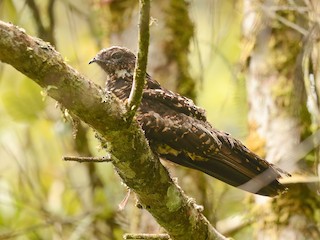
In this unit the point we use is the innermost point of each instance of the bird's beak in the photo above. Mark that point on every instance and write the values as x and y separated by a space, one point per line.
93 60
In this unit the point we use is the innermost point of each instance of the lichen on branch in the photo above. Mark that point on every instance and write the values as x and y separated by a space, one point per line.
142 59
132 158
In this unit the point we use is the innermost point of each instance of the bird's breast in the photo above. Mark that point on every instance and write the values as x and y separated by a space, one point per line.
120 87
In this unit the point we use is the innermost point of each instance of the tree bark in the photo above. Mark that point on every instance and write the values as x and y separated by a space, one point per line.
278 114
172 30
132 158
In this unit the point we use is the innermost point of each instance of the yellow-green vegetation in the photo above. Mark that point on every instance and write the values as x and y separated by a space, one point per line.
42 197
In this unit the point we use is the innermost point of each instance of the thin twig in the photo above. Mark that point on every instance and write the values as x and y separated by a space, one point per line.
285 21
36 14
132 157
52 22
87 159
146 236
50 10
44 32
141 62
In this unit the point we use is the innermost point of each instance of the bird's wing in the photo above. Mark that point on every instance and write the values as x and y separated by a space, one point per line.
175 101
151 83
177 135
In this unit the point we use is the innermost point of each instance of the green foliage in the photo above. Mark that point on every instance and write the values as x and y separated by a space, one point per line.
42 197
23 101
8 9
181 27
46 197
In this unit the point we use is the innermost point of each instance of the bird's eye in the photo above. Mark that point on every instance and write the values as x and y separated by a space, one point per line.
117 55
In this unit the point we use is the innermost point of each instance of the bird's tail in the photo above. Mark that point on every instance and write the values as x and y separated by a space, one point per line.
238 166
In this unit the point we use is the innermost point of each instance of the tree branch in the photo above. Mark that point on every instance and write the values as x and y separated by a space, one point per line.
146 236
139 168
36 15
50 10
142 59
87 159
46 33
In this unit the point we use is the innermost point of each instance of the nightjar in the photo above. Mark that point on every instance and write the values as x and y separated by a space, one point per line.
178 131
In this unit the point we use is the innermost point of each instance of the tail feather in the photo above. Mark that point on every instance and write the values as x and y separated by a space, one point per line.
263 183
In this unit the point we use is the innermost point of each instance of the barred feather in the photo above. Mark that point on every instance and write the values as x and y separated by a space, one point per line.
178 131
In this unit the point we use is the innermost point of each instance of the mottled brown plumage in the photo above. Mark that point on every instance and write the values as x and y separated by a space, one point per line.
178 130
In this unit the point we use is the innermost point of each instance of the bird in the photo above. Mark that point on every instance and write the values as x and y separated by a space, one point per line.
178 131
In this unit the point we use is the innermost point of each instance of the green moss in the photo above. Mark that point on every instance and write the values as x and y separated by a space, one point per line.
173 199
282 92
121 12
177 47
300 199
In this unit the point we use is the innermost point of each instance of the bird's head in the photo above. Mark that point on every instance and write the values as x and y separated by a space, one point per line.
116 60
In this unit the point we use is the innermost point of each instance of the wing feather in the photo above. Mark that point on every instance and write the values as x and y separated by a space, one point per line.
178 136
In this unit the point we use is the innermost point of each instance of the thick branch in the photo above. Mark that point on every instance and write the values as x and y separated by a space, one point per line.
132 158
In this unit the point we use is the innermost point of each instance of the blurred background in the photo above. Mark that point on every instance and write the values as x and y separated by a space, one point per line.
253 65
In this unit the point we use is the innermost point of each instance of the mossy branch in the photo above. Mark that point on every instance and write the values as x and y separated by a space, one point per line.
131 156
142 59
